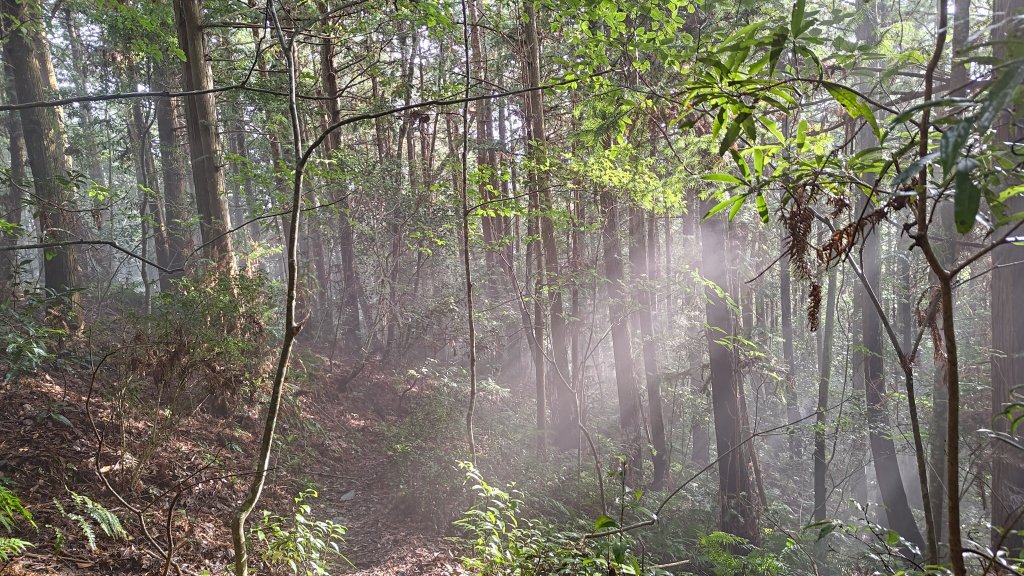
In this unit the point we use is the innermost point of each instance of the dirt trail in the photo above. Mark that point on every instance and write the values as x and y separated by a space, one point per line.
379 541
333 438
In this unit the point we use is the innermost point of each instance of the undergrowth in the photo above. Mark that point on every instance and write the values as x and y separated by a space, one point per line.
12 512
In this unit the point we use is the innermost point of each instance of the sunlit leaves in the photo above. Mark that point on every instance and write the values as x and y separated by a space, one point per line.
853 105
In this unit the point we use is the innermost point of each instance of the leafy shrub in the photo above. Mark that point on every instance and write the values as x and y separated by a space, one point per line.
419 452
725 554
212 329
11 512
506 544
300 544
25 341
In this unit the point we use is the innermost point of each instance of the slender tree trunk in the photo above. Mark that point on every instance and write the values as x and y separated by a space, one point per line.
11 202
565 413
738 492
786 298
883 450
149 192
346 237
629 408
172 165
640 273
821 417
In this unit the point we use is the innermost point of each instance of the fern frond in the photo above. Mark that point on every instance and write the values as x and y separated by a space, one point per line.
12 510
105 519
11 547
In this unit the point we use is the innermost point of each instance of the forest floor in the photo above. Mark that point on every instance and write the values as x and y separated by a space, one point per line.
48 448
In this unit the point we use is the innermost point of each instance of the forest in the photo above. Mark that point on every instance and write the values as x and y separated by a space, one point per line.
512 287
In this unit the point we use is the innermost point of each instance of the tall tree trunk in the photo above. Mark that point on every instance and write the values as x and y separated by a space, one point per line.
486 159
789 385
565 413
639 271
149 192
883 450
629 407
947 248
11 202
1007 317
28 56
821 417
738 492
204 142
172 165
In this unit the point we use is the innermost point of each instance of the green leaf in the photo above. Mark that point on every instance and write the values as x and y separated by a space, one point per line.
854 106
728 202
914 168
967 196
619 551
744 169
732 133
772 127
762 207
999 94
722 177
777 46
797 18
605 521
953 141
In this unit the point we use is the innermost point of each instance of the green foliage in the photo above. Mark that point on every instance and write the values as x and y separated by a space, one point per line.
299 544
11 512
505 543
88 515
12 547
728 555
25 341
212 332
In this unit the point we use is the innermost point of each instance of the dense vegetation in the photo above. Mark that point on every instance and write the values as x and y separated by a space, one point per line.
556 287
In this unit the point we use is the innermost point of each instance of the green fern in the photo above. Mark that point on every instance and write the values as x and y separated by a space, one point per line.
11 510
105 519
87 514
11 547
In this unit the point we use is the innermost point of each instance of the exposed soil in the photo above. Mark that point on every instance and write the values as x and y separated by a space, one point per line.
48 446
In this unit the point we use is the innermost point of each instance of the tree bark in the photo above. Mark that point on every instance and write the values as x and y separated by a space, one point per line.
738 492
11 202
629 408
640 273
789 385
204 142
821 417
346 236
1007 318
172 166
28 56
565 416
